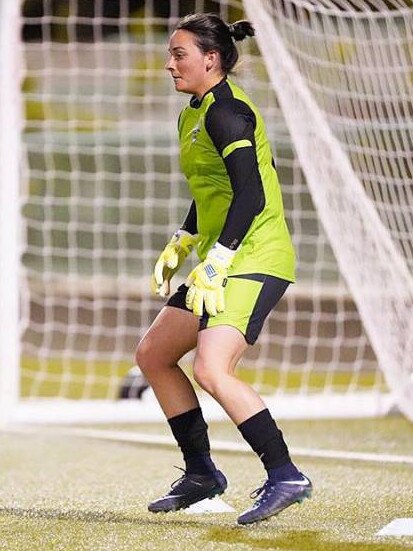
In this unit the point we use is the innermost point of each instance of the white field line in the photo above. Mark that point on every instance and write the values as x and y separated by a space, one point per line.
216 445
397 527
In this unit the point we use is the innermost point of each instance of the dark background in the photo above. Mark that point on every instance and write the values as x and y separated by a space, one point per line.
57 29
108 9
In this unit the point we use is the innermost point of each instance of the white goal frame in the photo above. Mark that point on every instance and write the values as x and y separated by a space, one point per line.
12 408
10 149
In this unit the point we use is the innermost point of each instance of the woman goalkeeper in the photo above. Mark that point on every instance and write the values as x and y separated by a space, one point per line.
236 223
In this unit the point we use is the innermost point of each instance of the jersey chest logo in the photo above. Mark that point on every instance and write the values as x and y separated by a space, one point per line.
194 133
196 130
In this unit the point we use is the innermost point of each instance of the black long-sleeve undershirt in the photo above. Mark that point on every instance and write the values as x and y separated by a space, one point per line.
190 222
230 120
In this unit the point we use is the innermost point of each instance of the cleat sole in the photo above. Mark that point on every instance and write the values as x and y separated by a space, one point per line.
306 495
185 505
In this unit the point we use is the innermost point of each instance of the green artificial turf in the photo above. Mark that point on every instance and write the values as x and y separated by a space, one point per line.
65 493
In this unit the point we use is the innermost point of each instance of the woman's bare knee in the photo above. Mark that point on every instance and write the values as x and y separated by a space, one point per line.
145 355
218 352
171 336
205 376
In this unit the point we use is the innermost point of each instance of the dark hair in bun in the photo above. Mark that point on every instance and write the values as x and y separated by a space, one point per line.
212 33
241 29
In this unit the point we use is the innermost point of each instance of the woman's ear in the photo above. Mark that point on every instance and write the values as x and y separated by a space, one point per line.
212 60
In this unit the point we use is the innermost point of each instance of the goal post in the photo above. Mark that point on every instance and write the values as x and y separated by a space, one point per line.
10 139
91 189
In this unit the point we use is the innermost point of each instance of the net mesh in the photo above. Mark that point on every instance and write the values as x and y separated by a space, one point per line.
345 93
102 191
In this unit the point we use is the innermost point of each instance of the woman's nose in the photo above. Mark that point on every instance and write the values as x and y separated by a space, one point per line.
169 63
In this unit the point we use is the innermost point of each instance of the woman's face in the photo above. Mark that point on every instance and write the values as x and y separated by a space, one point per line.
190 68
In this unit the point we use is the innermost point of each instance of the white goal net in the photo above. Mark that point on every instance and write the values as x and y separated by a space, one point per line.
101 192
342 73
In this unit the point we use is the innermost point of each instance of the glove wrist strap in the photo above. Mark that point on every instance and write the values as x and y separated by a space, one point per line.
182 233
222 254
185 240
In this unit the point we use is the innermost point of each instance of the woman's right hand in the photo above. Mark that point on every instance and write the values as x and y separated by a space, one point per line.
170 260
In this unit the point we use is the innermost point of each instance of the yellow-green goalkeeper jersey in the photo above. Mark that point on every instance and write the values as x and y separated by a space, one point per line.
227 160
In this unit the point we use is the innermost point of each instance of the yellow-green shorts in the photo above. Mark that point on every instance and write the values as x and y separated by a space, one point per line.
249 298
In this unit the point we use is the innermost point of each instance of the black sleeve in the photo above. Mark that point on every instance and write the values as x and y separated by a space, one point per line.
229 121
190 222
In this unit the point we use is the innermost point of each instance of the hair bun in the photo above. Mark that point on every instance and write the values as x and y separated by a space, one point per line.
241 29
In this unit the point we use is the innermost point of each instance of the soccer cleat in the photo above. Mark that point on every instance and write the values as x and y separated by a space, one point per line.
274 497
189 489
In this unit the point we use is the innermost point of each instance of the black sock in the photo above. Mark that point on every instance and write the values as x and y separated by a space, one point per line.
190 431
266 439
288 471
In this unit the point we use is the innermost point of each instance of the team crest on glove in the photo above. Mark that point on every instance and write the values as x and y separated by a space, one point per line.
206 282
210 271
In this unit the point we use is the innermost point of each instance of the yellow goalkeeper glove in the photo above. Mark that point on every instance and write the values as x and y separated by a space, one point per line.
206 282
170 260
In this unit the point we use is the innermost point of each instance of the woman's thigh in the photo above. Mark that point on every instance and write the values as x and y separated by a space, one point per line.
172 334
219 349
